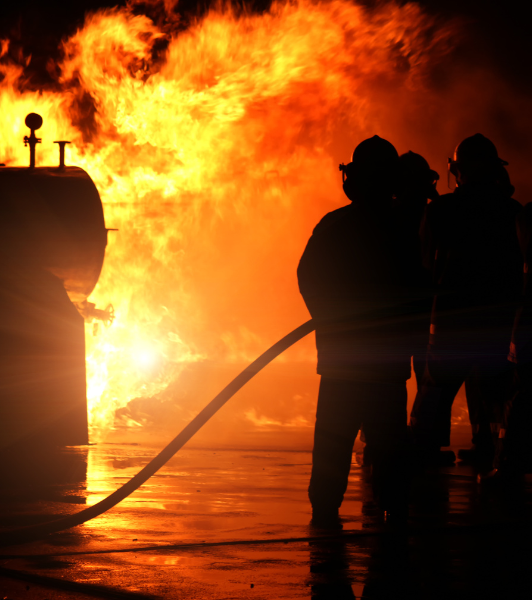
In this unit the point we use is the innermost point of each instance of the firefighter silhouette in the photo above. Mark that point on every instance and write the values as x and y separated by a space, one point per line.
352 277
415 187
469 240
514 452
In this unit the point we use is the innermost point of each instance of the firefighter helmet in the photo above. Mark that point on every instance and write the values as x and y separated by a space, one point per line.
372 171
476 149
415 166
374 154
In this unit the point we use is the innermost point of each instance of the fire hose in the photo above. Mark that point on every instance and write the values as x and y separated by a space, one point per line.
36 532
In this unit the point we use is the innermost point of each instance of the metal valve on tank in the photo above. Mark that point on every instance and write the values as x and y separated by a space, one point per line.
34 122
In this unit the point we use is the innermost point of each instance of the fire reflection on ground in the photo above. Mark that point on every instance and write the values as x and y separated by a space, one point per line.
206 526
202 493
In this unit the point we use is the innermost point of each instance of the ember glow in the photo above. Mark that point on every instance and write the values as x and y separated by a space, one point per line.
214 161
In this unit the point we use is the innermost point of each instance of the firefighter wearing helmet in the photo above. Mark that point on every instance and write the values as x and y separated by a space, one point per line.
350 277
416 187
514 450
470 243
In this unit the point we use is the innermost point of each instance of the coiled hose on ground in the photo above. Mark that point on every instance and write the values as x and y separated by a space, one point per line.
36 532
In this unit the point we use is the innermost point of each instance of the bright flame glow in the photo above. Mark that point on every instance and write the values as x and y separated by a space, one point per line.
214 161
145 357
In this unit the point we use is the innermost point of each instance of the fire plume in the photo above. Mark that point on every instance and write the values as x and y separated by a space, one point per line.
214 159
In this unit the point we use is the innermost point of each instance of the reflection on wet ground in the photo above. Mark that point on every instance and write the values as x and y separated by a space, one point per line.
235 524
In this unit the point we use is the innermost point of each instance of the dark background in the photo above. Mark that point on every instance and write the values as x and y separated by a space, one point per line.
497 33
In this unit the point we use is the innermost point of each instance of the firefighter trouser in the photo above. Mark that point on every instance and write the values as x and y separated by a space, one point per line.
485 400
514 450
488 381
342 407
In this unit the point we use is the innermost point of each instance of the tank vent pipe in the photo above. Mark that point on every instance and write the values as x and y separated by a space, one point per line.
62 144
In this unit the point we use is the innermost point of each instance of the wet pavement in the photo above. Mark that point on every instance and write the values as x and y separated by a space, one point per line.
235 524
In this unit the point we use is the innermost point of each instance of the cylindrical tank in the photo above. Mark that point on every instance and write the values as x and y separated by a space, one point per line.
52 246
52 218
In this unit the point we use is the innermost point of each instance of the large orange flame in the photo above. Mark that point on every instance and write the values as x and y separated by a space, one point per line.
214 162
